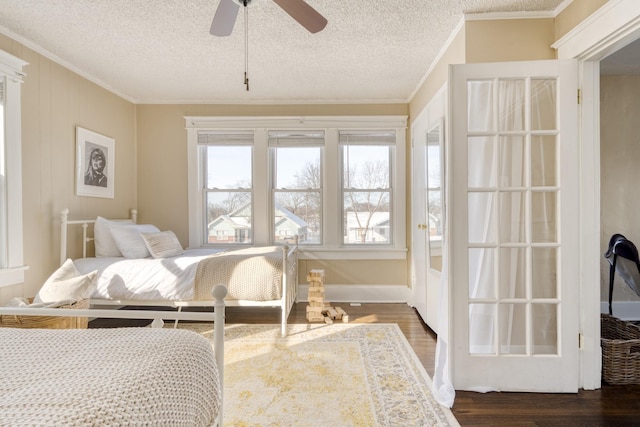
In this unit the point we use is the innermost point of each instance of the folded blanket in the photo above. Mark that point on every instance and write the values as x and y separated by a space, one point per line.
253 274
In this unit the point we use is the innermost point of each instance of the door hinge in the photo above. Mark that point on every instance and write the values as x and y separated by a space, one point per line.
579 96
580 341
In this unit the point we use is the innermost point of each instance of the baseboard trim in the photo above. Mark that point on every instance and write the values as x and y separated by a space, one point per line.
623 310
360 293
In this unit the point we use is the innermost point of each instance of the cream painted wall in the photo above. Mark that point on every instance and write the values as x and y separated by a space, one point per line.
454 54
488 41
575 13
162 177
55 101
619 170
509 40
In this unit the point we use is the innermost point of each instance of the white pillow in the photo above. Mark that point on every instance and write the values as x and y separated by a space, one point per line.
104 244
129 241
163 244
66 283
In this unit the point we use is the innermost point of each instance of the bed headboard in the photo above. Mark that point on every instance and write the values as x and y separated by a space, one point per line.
65 223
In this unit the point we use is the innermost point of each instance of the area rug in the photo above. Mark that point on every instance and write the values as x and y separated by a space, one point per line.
325 375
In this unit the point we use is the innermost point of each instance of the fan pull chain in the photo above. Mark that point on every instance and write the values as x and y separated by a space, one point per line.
246 46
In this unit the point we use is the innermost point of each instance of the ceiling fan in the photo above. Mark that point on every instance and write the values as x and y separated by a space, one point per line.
225 16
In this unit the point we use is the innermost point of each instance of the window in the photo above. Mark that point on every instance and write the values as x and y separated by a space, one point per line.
366 191
11 249
296 165
228 191
336 182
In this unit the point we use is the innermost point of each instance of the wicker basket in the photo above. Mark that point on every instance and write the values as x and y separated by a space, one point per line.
620 342
48 322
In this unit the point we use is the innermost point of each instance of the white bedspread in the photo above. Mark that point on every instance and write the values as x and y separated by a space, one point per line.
253 274
124 376
145 279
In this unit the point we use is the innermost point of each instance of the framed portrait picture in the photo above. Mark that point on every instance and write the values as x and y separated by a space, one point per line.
95 164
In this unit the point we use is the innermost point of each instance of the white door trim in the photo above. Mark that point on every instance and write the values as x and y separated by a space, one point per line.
614 25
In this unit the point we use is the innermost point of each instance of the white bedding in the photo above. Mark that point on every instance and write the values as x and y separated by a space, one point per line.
132 376
147 278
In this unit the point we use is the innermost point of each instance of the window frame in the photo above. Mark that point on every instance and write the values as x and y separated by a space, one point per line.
295 141
12 268
206 191
376 137
263 225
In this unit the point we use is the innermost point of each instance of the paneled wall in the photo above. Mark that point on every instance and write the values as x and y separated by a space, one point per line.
54 101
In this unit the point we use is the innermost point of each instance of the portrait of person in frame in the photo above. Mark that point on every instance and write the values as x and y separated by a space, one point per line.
95 159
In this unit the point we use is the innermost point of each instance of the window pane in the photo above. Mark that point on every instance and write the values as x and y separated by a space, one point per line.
480 95
482 227
543 216
513 326
481 162
481 328
511 105
543 161
366 166
482 275
512 157
545 328
544 272
298 213
229 167
367 217
543 104
512 217
298 168
229 217
513 273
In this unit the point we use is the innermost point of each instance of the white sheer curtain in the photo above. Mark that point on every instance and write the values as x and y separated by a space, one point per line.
442 388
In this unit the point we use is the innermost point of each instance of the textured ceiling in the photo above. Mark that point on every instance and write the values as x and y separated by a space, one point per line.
160 51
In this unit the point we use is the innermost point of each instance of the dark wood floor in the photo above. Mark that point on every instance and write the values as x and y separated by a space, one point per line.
608 406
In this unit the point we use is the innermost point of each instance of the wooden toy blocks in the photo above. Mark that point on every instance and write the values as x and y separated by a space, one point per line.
319 310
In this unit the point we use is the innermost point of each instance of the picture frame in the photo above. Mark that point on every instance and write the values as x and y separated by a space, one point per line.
95 164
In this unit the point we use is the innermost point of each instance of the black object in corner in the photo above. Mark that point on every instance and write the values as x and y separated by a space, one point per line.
622 254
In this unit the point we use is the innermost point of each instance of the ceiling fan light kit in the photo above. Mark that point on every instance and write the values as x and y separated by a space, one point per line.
227 13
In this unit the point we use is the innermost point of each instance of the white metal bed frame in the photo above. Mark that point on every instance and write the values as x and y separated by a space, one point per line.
218 292
289 276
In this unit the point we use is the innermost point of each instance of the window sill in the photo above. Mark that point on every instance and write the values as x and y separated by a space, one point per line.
12 276
352 253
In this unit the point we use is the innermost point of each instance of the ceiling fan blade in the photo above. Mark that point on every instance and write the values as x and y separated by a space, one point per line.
307 16
225 18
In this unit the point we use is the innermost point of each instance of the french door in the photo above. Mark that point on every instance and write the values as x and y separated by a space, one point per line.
513 220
